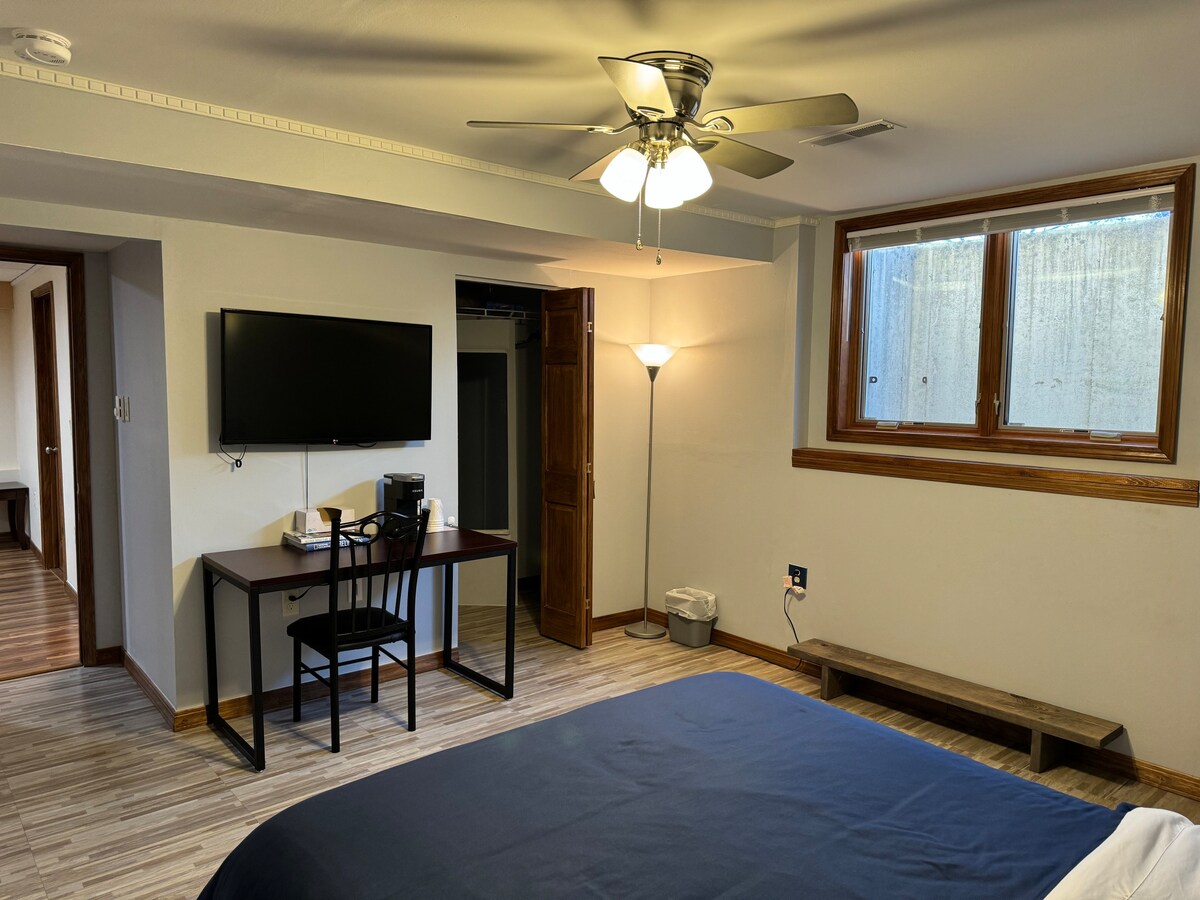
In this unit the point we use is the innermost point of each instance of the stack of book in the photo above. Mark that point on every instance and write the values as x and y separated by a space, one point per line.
309 541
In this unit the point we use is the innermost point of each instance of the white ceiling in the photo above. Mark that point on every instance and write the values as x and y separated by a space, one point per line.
11 271
993 93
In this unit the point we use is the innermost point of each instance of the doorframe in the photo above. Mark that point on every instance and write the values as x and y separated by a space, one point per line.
80 432
588 611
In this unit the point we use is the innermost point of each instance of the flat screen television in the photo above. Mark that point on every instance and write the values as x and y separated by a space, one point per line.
299 379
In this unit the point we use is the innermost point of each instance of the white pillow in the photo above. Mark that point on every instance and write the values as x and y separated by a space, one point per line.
1153 854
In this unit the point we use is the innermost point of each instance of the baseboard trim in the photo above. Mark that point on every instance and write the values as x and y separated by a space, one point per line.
150 689
616 620
110 656
279 698
1103 762
1110 762
720 638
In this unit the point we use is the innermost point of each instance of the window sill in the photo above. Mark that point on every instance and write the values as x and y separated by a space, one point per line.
1032 443
1077 482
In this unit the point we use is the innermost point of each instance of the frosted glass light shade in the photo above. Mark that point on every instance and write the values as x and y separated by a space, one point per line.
661 191
689 176
623 176
653 355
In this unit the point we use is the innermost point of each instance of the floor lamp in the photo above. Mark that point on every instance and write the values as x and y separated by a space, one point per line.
653 357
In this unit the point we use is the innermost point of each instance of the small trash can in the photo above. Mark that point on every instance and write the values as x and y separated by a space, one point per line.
690 616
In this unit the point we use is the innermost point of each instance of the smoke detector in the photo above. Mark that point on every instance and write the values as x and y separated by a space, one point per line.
853 133
40 46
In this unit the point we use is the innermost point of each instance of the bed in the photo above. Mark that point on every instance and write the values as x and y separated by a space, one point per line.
717 785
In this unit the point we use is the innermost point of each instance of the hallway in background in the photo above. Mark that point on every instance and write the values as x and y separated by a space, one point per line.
39 618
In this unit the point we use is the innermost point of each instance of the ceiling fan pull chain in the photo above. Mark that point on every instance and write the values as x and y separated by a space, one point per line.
658 258
638 245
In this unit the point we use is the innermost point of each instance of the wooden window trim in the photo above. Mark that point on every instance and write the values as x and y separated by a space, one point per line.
1076 482
845 347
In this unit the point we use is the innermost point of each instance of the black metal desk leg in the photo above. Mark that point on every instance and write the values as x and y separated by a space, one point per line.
510 626
447 613
256 691
211 708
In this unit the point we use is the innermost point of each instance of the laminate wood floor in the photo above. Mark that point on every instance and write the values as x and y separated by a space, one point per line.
99 800
39 620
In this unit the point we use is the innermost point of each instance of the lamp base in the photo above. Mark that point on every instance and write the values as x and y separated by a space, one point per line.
645 630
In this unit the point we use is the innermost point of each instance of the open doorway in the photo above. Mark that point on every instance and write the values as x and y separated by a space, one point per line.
499 458
47 604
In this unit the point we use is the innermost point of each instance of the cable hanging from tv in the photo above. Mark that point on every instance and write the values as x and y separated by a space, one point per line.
235 461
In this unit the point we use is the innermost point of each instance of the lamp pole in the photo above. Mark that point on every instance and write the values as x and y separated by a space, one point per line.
653 356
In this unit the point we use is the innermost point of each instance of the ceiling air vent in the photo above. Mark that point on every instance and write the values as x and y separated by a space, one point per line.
852 133
40 46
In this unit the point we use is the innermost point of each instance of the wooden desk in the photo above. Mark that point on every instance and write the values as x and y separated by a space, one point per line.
17 496
265 570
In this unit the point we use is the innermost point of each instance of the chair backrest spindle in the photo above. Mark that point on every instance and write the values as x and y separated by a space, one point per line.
389 544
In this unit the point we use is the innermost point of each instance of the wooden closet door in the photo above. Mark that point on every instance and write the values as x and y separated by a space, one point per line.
567 318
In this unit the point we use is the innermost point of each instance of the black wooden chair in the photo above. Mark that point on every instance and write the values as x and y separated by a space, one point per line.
382 548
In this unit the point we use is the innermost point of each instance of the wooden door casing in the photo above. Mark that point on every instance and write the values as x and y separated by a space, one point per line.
76 325
567 385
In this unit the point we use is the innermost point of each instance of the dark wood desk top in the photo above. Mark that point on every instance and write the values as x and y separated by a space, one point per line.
14 487
278 567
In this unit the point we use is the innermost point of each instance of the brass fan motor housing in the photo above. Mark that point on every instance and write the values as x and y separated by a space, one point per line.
686 74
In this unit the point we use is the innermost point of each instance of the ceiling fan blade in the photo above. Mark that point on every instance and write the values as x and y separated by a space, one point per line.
596 169
807 112
641 86
731 154
555 126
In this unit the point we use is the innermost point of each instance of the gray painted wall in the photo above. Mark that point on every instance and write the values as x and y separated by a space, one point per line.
139 371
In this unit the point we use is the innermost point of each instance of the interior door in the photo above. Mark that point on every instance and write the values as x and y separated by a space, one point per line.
566 613
49 463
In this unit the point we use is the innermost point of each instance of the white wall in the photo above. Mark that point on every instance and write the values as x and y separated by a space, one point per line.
29 452
139 372
1084 602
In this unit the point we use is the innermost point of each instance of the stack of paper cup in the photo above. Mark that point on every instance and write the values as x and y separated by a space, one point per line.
437 515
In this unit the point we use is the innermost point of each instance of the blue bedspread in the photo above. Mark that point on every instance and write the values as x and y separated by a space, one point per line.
717 785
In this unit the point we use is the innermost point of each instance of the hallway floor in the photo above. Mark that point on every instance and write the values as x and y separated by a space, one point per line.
39 619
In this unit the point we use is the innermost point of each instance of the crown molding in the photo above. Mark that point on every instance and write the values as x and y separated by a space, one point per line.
96 87
811 221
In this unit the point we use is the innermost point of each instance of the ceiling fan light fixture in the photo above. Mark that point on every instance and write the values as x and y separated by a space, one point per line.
662 192
624 175
687 172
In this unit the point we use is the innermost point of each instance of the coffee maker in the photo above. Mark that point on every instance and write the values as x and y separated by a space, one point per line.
403 493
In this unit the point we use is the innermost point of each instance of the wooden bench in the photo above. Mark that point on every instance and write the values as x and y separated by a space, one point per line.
1053 728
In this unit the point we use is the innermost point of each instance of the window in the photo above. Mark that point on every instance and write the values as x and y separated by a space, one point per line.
1043 321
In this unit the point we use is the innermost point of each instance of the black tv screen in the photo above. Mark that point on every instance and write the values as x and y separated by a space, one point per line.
297 379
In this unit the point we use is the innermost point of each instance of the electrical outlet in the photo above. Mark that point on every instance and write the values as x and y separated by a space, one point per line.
291 607
798 576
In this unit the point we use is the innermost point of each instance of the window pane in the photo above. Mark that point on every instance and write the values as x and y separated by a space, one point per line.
921 346
1086 326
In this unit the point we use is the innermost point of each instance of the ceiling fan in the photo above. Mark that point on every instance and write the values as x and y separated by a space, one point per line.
662 91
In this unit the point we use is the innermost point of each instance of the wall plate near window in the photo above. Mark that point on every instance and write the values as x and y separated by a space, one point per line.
1041 321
